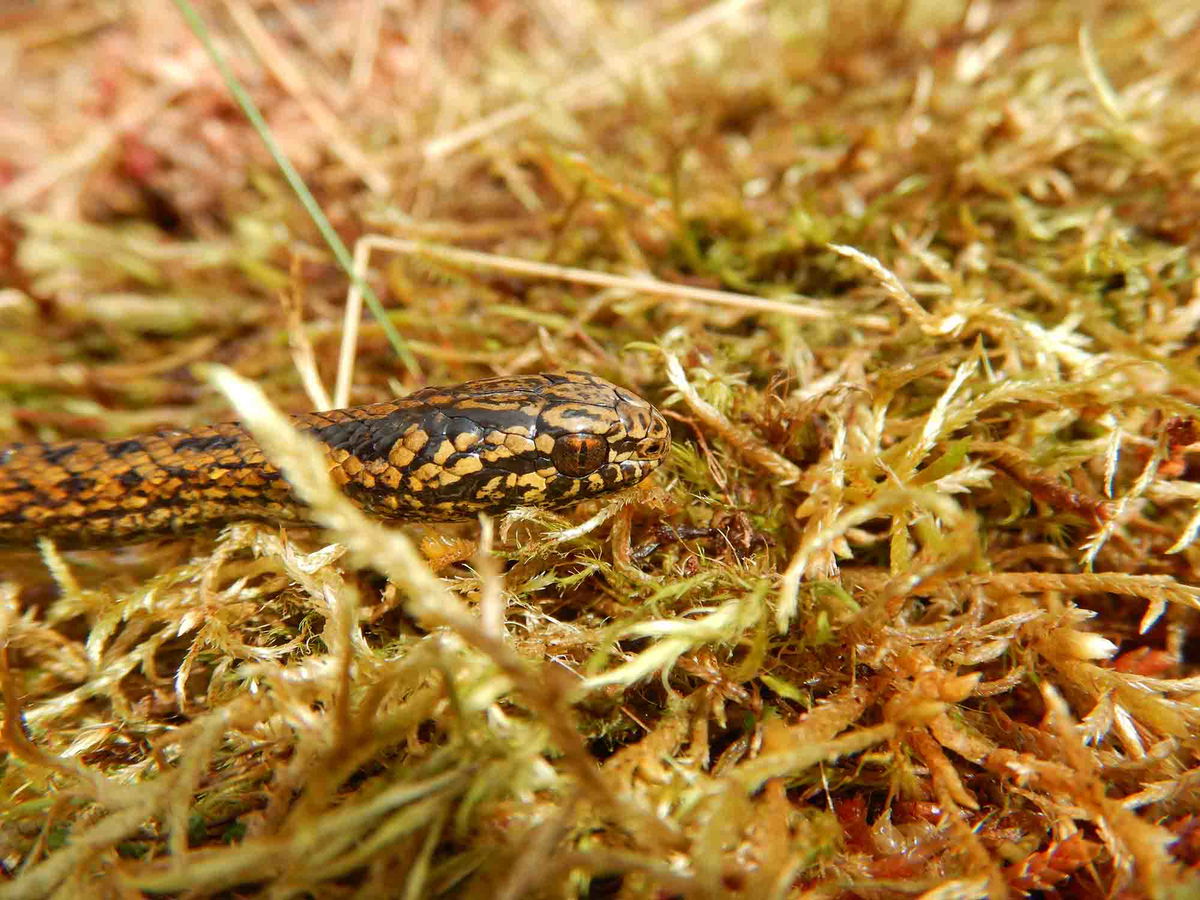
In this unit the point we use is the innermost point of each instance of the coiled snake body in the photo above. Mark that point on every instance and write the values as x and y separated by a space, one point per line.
442 453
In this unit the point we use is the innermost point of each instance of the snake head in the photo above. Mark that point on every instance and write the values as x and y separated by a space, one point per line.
490 445
600 437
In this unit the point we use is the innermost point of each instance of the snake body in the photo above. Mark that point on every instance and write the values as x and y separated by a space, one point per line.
440 454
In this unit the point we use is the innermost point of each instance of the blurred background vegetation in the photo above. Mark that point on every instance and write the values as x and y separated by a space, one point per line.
911 610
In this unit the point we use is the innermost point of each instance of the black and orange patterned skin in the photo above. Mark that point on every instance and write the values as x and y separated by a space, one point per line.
440 454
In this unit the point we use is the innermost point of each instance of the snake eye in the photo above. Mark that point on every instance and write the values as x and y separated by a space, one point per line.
579 454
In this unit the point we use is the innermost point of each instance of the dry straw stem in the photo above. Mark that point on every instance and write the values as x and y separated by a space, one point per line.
386 549
510 265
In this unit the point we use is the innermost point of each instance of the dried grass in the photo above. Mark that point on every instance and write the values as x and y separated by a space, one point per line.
914 609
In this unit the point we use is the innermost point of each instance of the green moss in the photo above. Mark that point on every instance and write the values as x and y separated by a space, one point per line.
841 643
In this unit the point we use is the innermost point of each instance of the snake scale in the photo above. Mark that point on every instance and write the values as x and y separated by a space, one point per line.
439 454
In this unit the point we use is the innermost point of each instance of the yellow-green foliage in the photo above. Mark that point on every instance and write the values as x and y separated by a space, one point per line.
912 610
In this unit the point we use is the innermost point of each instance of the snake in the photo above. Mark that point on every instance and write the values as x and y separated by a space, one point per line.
439 454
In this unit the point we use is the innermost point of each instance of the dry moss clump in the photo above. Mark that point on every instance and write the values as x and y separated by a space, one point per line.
911 611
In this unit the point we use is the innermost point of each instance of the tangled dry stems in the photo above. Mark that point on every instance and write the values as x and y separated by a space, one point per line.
913 609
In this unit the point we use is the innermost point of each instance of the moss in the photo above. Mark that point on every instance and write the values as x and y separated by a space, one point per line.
911 607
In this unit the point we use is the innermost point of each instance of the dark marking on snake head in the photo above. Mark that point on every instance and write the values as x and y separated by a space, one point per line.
457 426
77 484
508 419
366 440
54 454
207 443
117 449
130 478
